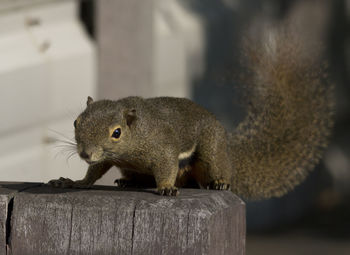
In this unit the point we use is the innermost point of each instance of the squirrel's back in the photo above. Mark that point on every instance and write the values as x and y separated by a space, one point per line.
289 118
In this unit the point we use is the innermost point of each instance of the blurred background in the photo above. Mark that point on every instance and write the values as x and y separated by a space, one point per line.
55 53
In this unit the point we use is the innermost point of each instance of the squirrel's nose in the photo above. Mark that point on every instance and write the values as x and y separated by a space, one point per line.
84 155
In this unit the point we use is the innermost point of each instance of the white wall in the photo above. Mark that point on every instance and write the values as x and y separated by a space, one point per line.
148 48
47 69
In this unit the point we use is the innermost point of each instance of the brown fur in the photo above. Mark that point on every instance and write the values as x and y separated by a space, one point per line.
280 141
289 120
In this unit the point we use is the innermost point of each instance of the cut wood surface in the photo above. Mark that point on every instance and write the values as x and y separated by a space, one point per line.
105 220
7 192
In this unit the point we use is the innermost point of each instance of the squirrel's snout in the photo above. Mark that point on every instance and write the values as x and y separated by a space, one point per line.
91 156
84 155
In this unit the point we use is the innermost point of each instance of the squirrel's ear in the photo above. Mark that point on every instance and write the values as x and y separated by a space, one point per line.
89 100
130 116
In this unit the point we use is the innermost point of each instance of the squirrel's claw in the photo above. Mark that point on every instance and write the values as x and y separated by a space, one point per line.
125 183
218 185
133 183
61 183
171 191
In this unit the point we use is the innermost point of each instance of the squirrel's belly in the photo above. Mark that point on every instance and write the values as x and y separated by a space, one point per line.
187 154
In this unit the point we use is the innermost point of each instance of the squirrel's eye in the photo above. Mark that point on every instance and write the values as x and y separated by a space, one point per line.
75 124
116 133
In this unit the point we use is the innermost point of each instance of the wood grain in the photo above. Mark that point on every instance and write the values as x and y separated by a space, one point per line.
7 192
110 221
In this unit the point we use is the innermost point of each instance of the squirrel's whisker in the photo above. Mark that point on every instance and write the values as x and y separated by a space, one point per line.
67 139
71 155
65 150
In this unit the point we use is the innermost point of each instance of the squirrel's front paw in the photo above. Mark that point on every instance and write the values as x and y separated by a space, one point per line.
168 191
61 183
218 185
68 183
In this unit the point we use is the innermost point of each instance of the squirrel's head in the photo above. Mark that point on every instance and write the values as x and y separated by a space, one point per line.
102 131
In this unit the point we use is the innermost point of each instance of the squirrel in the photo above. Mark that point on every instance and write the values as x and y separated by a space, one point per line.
168 142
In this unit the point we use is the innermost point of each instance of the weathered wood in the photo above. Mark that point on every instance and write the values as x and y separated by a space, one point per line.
7 192
109 221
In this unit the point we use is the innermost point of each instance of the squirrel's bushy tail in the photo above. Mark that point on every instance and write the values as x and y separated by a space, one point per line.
289 117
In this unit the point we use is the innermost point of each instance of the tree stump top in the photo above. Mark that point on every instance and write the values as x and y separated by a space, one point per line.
105 220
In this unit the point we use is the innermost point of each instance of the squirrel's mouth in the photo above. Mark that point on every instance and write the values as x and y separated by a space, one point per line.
91 162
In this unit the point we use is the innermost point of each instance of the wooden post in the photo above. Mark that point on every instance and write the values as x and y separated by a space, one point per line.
106 220
7 192
125 48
